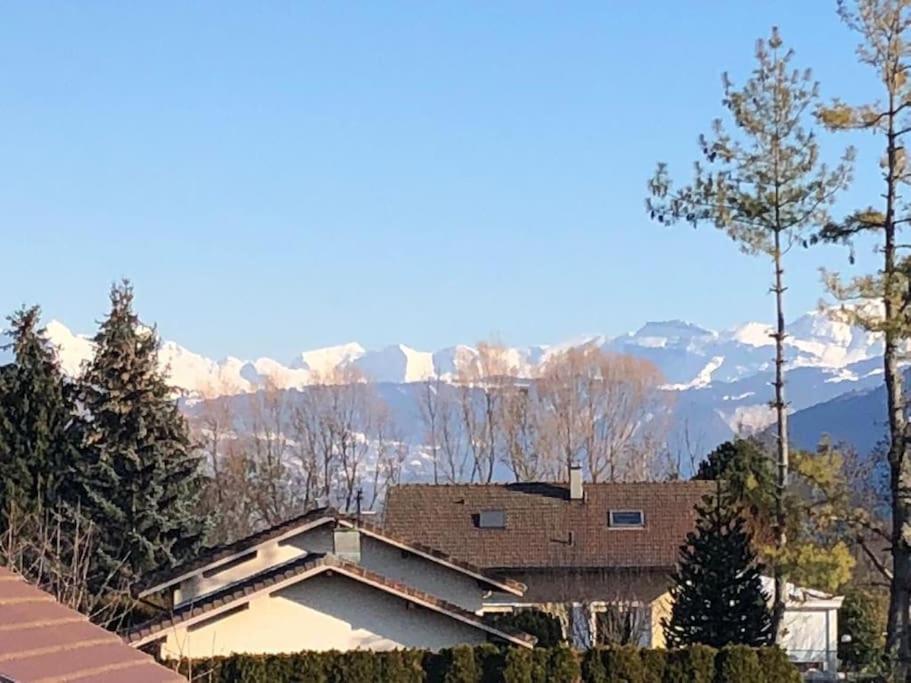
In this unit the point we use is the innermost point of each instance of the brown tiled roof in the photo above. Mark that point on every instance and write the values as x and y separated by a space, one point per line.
43 641
302 569
222 552
544 528
226 550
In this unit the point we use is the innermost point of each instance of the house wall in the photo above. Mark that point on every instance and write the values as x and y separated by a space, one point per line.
317 540
423 574
322 613
811 635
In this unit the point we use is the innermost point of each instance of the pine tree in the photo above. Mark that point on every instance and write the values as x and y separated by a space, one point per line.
884 27
717 588
38 439
764 185
143 479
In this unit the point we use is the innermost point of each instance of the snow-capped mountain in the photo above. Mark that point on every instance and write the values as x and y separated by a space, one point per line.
720 379
689 356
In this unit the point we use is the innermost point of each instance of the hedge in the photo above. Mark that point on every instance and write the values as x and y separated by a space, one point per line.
493 664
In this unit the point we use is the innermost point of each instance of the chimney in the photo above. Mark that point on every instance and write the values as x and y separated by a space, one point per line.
575 482
347 544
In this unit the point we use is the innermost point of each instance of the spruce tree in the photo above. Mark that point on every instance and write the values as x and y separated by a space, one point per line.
717 587
38 436
143 480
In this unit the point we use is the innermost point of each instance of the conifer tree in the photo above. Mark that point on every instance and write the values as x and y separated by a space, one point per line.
38 439
884 27
143 480
764 185
717 587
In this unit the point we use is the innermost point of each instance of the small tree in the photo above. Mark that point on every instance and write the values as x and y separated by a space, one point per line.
717 588
861 625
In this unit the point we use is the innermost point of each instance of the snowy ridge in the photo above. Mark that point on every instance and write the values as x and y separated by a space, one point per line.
691 358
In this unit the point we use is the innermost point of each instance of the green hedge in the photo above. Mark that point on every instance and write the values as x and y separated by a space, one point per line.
492 664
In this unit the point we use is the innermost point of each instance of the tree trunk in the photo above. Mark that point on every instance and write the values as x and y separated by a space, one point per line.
898 636
783 448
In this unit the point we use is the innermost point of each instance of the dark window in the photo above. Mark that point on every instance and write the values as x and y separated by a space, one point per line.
492 519
622 519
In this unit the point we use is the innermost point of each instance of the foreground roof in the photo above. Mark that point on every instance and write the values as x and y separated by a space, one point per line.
299 570
224 553
544 529
43 641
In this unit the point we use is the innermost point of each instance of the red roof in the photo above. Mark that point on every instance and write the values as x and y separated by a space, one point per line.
544 528
43 641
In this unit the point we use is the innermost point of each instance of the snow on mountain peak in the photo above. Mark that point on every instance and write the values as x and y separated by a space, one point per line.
689 356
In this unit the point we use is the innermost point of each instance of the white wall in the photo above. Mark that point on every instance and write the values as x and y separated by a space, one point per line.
811 634
322 613
423 574
317 540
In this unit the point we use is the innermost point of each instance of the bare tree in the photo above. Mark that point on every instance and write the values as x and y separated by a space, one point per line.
274 496
481 386
429 406
55 550
606 410
520 437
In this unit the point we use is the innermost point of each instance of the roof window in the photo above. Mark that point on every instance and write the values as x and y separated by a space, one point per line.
626 519
492 519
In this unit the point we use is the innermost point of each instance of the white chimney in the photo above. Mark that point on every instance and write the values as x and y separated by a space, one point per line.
575 482
347 544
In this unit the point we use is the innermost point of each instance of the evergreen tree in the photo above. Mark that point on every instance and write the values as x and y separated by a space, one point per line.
143 480
717 588
38 439
763 183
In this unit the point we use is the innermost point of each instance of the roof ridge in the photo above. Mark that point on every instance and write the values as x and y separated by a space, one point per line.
266 579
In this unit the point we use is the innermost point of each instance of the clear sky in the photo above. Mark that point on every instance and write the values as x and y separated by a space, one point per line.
276 176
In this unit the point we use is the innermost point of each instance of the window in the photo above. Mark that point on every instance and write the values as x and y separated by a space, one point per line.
492 519
626 519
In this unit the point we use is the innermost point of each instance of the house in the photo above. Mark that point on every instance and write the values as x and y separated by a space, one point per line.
584 550
42 641
321 581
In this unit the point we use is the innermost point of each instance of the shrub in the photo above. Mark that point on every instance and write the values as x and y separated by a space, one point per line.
462 666
693 664
738 664
653 665
593 667
775 666
543 626
401 666
490 660
623 665
563 666
518 666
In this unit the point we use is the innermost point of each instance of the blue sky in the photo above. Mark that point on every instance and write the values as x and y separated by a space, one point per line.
285 175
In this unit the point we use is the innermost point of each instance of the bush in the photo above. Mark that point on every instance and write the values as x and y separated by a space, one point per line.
543 626
593 667
776 667
863 617
693 664
738 664
492 664
623 665
653 665
563 666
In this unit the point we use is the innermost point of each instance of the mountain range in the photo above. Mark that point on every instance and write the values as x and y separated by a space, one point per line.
720 379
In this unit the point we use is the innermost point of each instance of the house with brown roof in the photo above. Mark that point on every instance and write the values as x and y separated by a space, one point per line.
586 548
588 544
43 641
321 581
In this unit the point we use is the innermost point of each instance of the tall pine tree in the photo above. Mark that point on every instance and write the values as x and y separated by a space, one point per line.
143 481
717 588
39 445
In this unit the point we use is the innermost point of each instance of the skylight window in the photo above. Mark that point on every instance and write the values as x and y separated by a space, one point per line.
492 519
626 519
